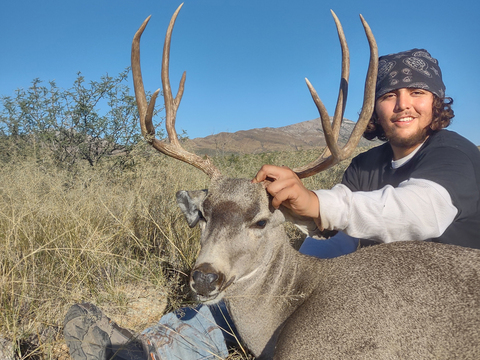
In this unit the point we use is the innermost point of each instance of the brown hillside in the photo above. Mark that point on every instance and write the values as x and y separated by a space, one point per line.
301 136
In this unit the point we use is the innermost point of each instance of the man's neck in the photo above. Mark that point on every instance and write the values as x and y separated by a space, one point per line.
400 152
401 157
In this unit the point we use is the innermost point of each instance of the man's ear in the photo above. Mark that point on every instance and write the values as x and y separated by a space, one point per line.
190 202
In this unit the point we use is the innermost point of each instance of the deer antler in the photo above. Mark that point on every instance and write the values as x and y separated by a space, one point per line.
333 154
173 148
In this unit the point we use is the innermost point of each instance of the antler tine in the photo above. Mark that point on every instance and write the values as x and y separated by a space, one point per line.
138 82
171 104
173 148
368 95
332 133
324 161
343 91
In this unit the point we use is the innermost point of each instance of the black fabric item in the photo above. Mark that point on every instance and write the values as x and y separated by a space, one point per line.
447 159
414 68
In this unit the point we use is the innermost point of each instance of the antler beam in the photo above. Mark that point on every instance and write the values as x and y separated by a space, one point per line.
331 156
333 153
145 109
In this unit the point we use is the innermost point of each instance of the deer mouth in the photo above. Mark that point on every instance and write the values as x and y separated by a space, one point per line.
210 299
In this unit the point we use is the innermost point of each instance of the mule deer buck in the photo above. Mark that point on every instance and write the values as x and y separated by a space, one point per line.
408 300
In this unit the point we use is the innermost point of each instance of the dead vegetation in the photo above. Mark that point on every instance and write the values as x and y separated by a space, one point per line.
112 235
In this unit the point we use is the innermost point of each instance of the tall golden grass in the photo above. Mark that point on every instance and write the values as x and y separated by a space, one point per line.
112 235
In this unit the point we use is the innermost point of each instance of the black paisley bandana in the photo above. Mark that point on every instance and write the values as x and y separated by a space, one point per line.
414 68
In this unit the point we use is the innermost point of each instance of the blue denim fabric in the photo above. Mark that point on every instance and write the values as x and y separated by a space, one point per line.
338 245
203 332
189 334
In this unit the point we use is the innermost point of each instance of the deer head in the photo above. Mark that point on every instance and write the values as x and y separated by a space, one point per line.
240 228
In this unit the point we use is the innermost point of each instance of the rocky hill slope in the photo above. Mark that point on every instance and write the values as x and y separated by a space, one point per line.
301 136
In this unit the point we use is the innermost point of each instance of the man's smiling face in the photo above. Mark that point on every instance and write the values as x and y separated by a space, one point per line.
405 115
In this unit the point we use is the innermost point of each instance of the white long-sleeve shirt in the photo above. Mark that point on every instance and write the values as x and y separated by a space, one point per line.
417 209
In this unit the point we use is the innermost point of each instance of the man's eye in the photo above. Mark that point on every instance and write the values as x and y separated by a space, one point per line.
387 96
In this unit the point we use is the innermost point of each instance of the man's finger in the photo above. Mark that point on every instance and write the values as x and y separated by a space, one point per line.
283 197
271 173
266 172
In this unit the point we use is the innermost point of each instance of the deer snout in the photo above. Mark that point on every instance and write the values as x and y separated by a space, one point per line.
206 281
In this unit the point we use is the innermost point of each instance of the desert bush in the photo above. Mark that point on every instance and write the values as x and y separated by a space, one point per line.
86 122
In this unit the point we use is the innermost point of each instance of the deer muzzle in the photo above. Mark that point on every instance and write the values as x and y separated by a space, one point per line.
206 282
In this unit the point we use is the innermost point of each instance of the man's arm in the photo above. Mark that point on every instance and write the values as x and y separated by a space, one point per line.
417 209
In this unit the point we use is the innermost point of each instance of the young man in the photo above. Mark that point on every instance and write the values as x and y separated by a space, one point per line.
422 184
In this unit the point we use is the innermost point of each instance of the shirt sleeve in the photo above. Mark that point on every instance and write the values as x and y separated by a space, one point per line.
417 209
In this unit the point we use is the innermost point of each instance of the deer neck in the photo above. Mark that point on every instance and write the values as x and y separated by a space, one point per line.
260 308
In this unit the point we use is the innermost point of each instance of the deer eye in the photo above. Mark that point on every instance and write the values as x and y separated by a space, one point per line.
260 224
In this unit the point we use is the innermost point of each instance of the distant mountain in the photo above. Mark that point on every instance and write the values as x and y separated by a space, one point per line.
301 136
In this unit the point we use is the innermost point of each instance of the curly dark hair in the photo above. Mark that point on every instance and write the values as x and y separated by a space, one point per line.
442 116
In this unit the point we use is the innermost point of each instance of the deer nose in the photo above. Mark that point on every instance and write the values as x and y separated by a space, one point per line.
200 277
204 279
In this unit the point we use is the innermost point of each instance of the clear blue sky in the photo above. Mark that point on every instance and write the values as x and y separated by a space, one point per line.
246 60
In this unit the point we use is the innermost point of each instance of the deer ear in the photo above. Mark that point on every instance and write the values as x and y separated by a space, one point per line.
190 202
309 226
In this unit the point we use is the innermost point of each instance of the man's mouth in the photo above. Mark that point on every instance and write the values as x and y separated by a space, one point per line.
405 119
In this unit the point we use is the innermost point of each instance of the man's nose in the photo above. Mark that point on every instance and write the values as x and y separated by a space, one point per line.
403 101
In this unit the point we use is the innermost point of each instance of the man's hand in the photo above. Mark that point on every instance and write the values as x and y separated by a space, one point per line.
287 189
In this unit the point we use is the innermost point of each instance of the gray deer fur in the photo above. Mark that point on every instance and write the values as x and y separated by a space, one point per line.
406 300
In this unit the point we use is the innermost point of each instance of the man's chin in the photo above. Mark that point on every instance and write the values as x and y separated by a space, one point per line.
407 142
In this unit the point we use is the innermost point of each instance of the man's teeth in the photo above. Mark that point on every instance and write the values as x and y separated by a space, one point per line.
405 119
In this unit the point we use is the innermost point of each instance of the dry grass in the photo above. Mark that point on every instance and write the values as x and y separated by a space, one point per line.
110 235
